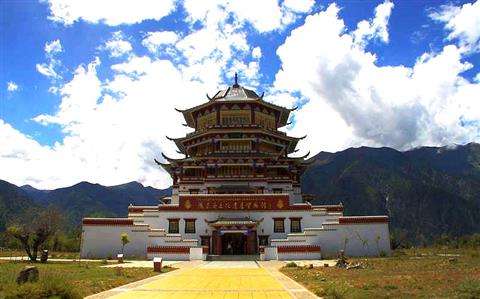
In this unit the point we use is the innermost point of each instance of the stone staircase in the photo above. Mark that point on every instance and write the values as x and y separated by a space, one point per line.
254 257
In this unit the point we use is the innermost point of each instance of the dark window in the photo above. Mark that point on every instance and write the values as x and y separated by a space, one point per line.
173 226
278 225
295 226
277 190
263 240
193 191
205 240
189 226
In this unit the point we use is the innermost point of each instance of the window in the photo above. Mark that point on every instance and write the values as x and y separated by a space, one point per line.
189 226
173 226
278 225
235 117
277 190
263 240
295 226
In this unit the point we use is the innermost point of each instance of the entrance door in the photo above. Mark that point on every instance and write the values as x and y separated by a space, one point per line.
234 244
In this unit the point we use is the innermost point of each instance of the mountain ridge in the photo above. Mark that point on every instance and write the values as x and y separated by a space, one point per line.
426 191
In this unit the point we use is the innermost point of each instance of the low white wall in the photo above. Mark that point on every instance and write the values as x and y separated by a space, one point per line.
270 253
100 241
369 239
196 253
288 256
170 256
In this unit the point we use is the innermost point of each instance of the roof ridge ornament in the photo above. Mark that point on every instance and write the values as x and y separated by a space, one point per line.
236 80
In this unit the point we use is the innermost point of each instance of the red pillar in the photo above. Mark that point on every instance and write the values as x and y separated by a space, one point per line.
216 243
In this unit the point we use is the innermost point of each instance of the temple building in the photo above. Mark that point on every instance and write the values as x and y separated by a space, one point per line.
236 192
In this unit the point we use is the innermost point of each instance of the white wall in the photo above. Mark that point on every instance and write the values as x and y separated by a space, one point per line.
319 228
103 241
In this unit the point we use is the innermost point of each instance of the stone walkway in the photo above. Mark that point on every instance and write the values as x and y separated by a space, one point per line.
139 264
218 279
110 263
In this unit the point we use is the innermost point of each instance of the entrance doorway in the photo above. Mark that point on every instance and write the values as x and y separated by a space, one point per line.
234 244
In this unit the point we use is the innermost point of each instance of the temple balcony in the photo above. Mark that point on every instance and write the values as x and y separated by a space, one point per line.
234 126
234 177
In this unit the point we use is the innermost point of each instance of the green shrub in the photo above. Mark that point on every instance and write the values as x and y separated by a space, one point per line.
47 287
119 271
369 286
469 289
291 265
333 291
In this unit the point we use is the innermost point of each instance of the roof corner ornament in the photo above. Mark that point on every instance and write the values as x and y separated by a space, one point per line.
236 80
306 155
261 97
208 97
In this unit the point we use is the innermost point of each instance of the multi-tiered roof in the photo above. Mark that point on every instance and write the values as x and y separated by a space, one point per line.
236 137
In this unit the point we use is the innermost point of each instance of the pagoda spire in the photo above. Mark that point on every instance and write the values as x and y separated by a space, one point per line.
236 80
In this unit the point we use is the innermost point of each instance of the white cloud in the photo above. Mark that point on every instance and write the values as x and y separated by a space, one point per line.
257 17
107 139
19 152
110 12
248 11
256 52
117 46
462 22
210 51
375 28
401 107
53 47
477 78
12 86
154 40
79 98
299 5
48 69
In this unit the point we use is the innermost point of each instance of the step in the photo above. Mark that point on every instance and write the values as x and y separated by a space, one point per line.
212 257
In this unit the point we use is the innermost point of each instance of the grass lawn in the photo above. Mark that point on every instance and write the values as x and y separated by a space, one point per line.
420 273
68 280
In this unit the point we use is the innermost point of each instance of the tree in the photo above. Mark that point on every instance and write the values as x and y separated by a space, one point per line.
125 240
34 229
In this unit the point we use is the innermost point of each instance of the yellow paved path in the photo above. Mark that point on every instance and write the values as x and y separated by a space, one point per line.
204 282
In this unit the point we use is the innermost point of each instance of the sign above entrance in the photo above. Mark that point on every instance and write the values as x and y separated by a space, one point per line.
212 202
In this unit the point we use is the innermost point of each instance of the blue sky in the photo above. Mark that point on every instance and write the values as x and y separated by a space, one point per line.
87 92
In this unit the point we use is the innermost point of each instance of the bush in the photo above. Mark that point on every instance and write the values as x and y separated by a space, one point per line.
119 271
334 291
469 289
46 288
291 265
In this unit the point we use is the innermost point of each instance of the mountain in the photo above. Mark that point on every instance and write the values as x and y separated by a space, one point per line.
81 200
13 203
426 191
